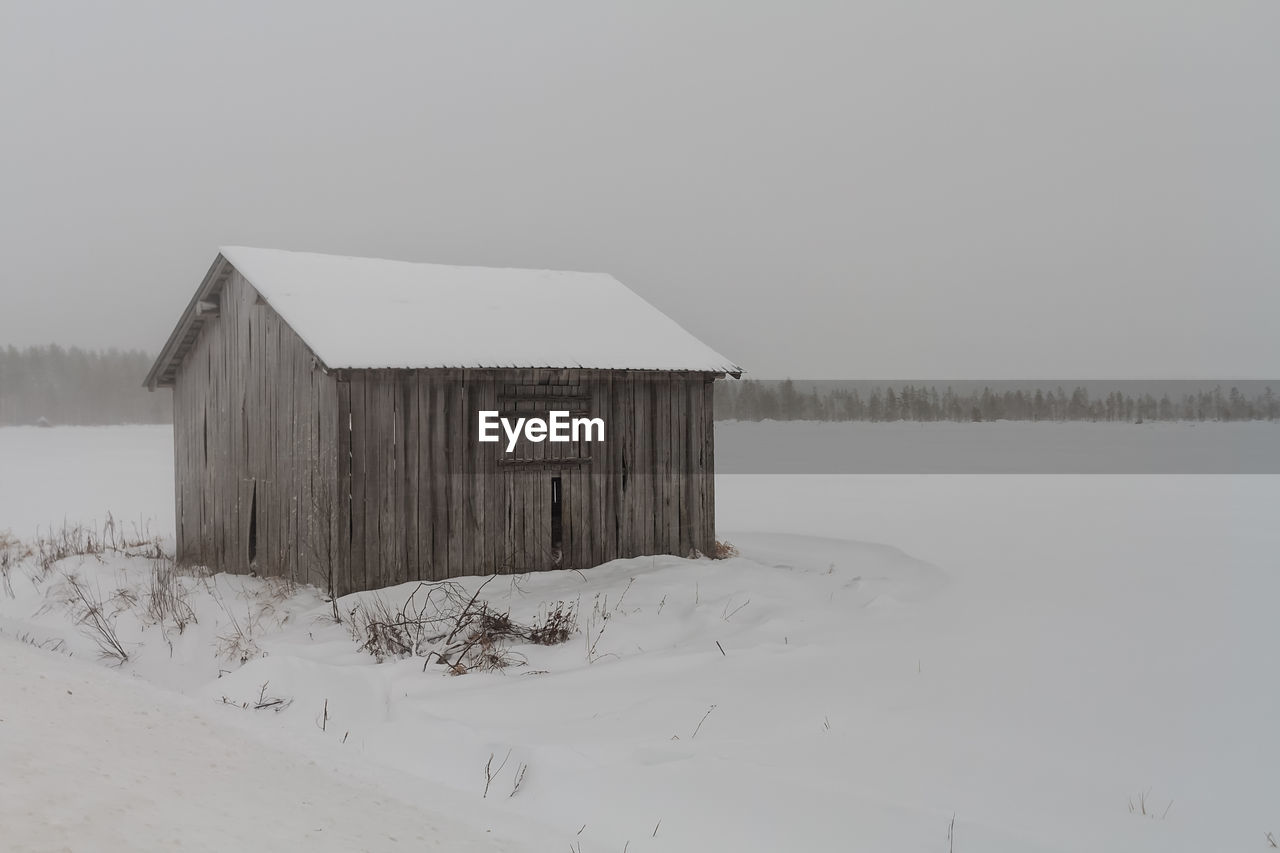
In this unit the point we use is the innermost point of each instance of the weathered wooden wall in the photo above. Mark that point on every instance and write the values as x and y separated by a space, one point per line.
429 501
255 445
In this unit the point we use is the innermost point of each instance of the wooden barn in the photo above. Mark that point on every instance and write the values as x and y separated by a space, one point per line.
326 421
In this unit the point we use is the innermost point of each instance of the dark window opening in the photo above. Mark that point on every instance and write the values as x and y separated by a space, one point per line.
556 515
347 479
253 525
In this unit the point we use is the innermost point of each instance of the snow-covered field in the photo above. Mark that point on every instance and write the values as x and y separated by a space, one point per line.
79 474
1041 657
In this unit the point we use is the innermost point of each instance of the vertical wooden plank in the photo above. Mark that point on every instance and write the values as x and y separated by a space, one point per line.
609 477
456 530
344 582
227 513
642 515
472 482
408 392
382 415
381 455
238 472
511 540
453 507
679 420
370 442
393 511
264 429
606 476
491 524
709 466
641 507
360 434
426 506
662 466
528 504
691 394
439 480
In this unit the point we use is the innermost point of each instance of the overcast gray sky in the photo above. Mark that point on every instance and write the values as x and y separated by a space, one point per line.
845 190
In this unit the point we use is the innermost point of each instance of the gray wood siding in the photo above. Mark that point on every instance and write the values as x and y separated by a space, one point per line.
255 445
427 500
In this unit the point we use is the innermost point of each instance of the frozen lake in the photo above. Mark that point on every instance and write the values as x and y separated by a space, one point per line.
1002 447
129 469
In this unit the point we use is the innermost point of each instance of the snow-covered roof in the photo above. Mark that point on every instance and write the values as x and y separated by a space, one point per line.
371 313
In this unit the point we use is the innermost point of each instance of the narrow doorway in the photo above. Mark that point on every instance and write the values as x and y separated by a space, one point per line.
557 523
253 526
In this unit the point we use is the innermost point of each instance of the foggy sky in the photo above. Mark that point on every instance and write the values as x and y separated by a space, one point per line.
960 190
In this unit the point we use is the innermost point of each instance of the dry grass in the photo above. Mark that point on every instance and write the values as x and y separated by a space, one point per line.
263 702
261 602
441 623
597 622
1143 806
80 540
12 552
556 625
239 642
73 540
167 597
51 644
92 615
162 601
723 550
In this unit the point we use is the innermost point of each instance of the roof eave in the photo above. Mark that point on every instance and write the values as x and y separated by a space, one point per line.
161 373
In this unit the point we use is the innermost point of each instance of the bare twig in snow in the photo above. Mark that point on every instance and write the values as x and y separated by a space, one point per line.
515 786
489 772
97 624
727 615
624 595
700 722
263 702
1146 809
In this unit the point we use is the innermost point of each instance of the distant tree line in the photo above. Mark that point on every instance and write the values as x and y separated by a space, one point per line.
56 385
87 387
749 400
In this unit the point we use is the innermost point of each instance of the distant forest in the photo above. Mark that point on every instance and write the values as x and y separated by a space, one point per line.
88 387
78 387
748 400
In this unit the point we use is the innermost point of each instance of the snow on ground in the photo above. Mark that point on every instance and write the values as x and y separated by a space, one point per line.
95 760
616 727
1042 652
48 476
1099 637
